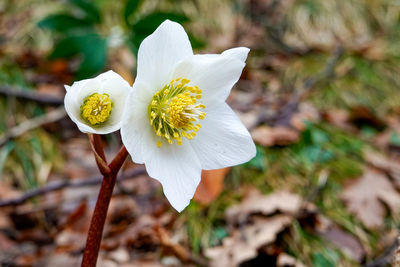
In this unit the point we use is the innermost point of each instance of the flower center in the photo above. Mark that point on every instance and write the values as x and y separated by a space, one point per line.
174 111
96 108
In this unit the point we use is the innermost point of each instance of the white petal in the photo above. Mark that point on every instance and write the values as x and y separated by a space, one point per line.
136 132
178 170
73 111
118 89
176 167
237 52
214 75
86 89
110 76
222 141
160 52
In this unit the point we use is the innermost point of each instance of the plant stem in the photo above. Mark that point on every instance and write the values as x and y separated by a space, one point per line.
95 233
97 223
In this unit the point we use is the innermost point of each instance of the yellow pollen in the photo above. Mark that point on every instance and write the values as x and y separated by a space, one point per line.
96 108
173 111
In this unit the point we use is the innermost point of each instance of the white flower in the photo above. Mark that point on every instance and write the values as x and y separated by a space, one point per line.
177 121
97 105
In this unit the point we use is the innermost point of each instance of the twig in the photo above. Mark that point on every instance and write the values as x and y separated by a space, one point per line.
31 96
20 129
58 185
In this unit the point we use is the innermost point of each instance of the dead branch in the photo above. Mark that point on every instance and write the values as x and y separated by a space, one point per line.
57 185
36 122
31 96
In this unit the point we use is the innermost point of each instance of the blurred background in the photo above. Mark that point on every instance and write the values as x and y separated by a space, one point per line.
320 96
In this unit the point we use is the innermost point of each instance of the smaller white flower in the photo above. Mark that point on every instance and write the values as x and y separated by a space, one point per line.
97 105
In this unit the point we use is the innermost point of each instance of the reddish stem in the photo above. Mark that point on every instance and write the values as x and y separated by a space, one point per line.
98 146
119 159
97 223
95 233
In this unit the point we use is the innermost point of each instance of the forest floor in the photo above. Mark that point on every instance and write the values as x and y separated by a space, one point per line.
320 95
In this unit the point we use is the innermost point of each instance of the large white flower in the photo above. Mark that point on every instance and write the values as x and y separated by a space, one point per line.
177 121
97 105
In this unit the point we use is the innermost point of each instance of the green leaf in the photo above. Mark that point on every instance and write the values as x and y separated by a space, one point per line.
319 260
259 161
91 10
63 22
91 46
94 49
196 42
4 153
150 22
147 25
130 8
67 47
394 139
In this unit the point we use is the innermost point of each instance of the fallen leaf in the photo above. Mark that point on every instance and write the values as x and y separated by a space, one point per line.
272 136
211 185
256 203
72 237
307 113
285 260
59 260
49 89
249 119
177 249
339 118
365 195
349 244
361 116
140 233
390 166
243 245
6 243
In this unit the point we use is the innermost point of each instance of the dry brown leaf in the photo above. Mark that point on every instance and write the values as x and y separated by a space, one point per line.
349 244
256 203
285 260
49 89
339 118
390 166
211 185
59 260
346 242
383 139
74 229
141 233
361 116
307 112
272 136
243 245
177 249
364 198
396 256
6 243
249 119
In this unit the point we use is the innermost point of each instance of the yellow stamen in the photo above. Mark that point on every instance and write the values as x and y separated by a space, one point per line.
174 109
96 108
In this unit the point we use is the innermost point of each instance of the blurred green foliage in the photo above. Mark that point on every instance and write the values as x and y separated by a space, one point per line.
80 32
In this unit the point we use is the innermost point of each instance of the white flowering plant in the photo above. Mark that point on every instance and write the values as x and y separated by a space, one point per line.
174 119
